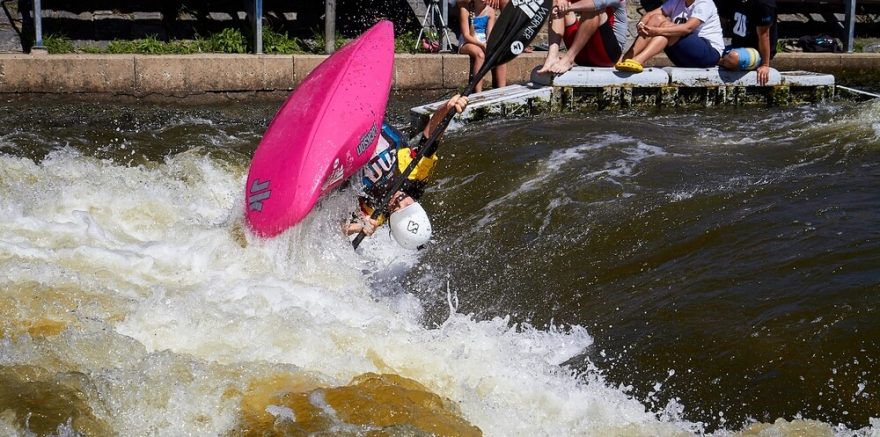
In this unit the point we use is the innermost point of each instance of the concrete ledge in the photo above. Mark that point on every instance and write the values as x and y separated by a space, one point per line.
418 71
208 73
303 65
187 75
70 74
693 77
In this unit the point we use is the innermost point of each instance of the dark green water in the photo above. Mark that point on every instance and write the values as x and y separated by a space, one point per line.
725 259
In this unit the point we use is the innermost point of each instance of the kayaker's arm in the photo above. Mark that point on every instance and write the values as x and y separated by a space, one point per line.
458 102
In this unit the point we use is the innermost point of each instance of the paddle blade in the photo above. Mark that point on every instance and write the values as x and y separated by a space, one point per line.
516 28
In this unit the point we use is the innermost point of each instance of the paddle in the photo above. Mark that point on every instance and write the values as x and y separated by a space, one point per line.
514 30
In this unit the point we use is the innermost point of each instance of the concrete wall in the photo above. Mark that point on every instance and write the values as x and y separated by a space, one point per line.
186 75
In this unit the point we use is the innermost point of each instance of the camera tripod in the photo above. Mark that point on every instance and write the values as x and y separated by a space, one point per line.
432 15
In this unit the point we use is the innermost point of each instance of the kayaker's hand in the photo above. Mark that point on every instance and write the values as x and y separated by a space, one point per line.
457 102
365 225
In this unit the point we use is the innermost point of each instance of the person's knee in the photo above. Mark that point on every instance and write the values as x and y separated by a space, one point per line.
593 19
730 61
658 20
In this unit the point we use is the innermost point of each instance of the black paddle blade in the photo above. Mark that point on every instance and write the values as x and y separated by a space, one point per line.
517 27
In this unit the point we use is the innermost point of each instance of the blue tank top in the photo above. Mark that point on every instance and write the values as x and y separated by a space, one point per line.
481 25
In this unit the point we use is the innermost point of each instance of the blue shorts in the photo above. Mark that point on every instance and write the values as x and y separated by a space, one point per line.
691 51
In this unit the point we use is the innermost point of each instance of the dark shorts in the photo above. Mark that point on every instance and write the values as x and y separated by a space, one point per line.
602 50
691 51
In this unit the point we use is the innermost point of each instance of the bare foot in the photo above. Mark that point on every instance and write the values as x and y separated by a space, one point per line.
561 66
548 64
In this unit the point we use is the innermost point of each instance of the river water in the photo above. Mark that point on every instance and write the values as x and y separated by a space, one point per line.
623 273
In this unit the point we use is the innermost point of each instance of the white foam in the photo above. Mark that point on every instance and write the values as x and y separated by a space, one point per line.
175 311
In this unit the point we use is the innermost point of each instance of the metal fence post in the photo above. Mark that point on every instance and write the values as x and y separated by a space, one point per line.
330 26
849 22
257 24
38 25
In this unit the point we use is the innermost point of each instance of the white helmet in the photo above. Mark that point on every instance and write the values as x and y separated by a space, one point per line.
410 226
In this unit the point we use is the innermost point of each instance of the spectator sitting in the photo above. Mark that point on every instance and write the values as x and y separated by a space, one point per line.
477 19
689 31
753 37
595 38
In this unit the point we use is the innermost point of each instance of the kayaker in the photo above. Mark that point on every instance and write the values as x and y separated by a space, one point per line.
409 222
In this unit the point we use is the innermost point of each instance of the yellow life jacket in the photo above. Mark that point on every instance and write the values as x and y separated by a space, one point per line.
423 168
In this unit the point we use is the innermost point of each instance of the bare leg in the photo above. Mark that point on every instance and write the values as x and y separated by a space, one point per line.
555 28
589 24
477 57
648 47
655 45
499 76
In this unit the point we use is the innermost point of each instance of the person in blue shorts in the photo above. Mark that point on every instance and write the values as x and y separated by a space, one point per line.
409 222
752 26
688 31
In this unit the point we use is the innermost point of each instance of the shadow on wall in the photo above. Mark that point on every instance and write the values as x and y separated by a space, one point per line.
165 19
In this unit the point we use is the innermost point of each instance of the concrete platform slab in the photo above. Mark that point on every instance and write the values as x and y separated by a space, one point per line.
509 101
700 77
806 78
602 77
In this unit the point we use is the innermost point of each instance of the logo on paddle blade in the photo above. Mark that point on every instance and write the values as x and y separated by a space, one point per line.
259 192
516 48
536 11
412 227
529 7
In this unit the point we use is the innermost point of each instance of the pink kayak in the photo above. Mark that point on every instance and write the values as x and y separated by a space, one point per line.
325 131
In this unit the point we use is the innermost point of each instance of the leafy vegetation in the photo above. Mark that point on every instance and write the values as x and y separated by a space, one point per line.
319 42
280 43
228 40
58 43
405 42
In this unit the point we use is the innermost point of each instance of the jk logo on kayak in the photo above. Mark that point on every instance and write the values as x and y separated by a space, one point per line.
259 192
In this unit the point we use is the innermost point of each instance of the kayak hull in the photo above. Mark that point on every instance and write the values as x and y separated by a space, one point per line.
325 131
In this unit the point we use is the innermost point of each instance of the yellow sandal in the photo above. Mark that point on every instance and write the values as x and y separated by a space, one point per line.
629 65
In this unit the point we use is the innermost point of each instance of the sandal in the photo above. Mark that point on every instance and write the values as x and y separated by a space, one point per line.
629 65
